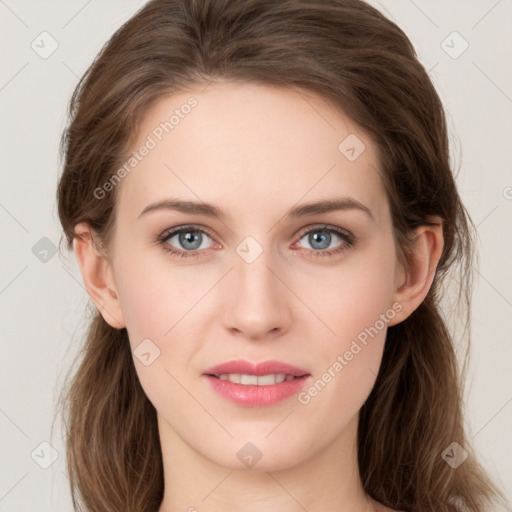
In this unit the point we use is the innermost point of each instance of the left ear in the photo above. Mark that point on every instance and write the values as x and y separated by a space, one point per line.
423 256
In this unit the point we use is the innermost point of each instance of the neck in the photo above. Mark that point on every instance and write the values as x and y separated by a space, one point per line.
329 480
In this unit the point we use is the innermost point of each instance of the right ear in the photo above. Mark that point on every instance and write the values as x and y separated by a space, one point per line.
98 276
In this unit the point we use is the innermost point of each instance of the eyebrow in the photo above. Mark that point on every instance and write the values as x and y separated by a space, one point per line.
210 210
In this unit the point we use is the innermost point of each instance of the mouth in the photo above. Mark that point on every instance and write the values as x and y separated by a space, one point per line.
256 384
255 380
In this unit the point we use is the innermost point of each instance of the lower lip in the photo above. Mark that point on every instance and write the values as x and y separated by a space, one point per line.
257 396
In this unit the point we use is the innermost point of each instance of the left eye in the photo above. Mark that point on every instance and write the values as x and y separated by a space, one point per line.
321 238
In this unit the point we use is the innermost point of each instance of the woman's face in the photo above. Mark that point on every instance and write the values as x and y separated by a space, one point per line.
251 283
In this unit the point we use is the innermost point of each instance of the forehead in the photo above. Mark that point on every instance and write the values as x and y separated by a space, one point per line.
249 148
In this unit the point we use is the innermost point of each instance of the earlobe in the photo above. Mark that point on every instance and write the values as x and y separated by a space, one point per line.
97 276
423 256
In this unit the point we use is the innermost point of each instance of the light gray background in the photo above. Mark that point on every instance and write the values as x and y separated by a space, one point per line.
42 303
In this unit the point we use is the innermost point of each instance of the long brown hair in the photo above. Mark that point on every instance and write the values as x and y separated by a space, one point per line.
349 53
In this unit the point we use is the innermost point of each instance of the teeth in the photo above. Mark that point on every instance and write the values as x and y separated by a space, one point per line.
268 380
256 380
249 380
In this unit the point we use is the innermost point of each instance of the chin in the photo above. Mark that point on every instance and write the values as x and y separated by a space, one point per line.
258 454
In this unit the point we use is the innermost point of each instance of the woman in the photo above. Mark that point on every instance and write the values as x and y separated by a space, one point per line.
260 200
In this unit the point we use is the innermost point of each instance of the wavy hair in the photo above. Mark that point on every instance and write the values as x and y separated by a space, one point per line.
349 53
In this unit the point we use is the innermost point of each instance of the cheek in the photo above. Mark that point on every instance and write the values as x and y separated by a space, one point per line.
352 297
154 296
357 306
158 307
147 306
162 307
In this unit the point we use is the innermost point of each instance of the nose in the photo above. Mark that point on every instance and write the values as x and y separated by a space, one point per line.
259 302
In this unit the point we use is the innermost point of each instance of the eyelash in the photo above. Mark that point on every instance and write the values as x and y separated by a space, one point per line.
347 238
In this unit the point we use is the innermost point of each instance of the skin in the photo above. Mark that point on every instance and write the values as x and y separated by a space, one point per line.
256 152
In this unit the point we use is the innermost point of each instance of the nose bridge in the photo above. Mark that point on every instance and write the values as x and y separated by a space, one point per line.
258 300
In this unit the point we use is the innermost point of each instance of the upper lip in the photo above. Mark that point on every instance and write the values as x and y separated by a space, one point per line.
248 368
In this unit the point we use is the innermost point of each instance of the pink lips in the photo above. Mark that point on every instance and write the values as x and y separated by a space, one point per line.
264 368
254 395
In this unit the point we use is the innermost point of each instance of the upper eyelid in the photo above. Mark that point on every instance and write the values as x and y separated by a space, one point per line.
190 227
